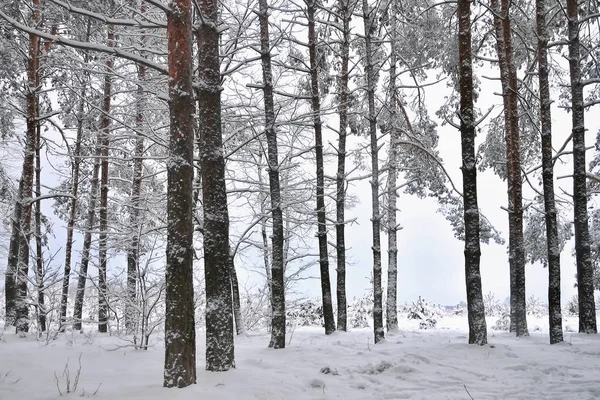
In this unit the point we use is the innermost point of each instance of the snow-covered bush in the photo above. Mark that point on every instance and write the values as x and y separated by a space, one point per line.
503 321
306 313
573 306
359 311
535 307
492 305
423 310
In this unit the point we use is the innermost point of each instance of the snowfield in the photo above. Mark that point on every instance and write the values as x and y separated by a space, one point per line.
411 364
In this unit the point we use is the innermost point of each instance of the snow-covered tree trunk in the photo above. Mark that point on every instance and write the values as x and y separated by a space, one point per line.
552 241
10 284
219 315
508 78
240 327
311 7
87 238
391 310
369 27
180 329
340 199
75 171
103 214
27 175
475 308
277 275
585 284
39 260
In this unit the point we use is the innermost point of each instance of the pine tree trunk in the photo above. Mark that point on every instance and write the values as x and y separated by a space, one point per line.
340 200
369 26
27 175
103 214
76 167
585 285
475 308
391 311
87 238
180 329
277 283
39 260
240 327
10 283
510 94
554 307
133 254
321 220
219 316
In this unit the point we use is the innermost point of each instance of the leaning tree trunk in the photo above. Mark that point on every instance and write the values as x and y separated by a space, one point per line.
340 199
219 316
554 312
391 311
369 26
240 327
321 219
510 95
22 306
180 330
475 308
103 214
277 275
585 272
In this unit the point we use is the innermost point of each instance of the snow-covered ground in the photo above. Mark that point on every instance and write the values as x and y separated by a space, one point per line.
410 364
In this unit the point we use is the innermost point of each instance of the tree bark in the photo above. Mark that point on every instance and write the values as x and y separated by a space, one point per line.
277 275
369 26
180 329
76 166
585 272
552 241
10 283
27 175
180 334
340 200
321 220
392 288
103 214
240 327
475 308
219 316
510 95
39 259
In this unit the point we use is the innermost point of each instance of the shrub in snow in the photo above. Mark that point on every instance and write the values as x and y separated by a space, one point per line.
306 313
492 305
535 307
429 323
359 311
329 371
503 321
424 310
573 306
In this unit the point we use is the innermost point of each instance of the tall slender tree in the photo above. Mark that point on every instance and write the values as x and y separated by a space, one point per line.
311 8
552 239
585 272
509 80
277 274
369 24
475 308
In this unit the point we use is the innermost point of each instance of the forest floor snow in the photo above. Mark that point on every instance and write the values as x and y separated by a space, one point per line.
410 364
